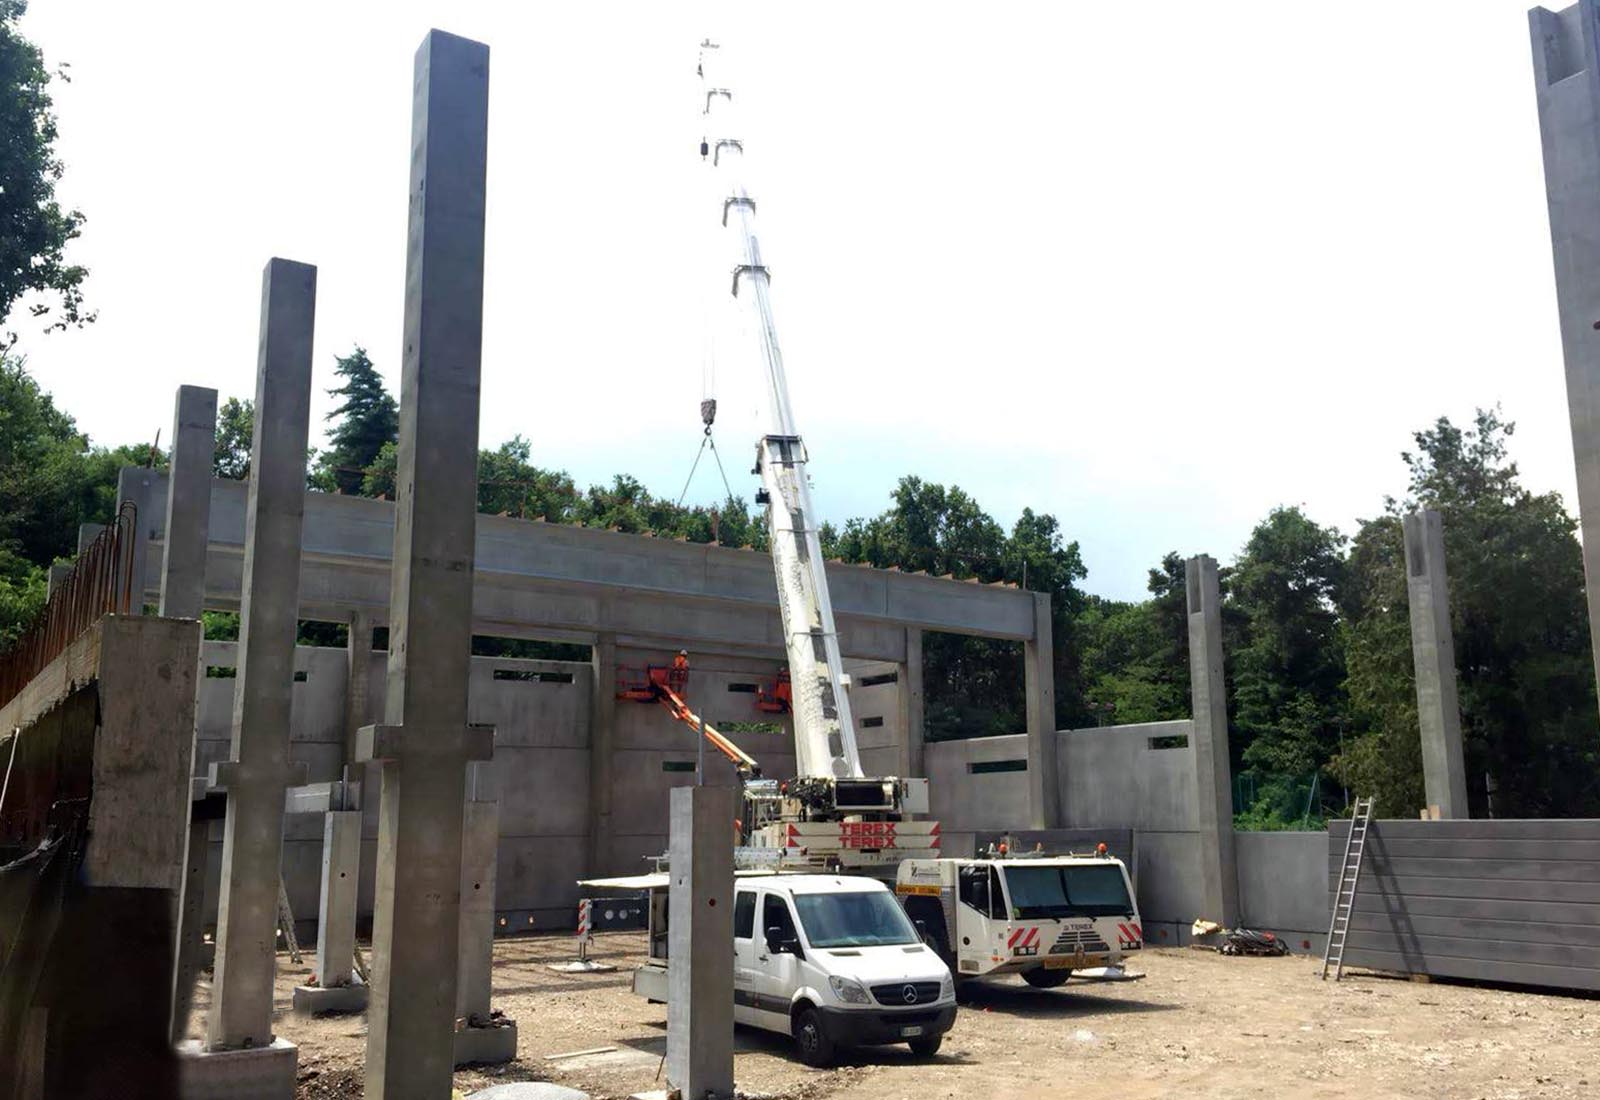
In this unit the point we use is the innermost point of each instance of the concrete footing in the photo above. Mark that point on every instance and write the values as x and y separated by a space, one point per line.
252 1073
316 1000
490 1045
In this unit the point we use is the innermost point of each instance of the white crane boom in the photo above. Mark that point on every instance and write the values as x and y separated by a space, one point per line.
824 732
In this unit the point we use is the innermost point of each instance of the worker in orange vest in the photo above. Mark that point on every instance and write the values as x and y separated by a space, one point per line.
679 676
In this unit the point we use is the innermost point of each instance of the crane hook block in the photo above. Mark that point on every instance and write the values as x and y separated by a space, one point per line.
708 412
705 149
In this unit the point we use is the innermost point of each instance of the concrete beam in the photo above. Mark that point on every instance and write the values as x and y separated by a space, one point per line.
1039 684
425 744
699 930
187 522
1566 79
1213 764
1433 655
258 769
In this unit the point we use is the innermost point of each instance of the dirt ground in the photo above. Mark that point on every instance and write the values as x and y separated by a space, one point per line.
1199 1025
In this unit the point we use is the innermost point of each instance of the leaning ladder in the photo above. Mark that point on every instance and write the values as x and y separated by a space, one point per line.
1344 901
286 922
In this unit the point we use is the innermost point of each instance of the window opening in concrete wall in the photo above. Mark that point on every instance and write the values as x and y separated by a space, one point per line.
527 649
318 633
1175 741
748 689
987 767
749 727
533 676
871 723
677 765
874 681
972 687
221 672
300 676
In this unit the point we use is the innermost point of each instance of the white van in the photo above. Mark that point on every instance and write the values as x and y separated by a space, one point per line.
830 960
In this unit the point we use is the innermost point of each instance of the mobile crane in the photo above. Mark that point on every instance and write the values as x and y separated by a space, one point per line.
830 813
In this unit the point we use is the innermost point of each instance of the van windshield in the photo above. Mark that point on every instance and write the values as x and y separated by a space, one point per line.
862 919
1094 890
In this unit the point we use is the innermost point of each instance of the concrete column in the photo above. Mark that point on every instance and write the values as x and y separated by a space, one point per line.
602 746
699 932
133 484
88 532
358 681
1433 655
1039 684
258 769
59 572
911 721
1566 78
425 743
486 1038
188 521
1212 764
337 989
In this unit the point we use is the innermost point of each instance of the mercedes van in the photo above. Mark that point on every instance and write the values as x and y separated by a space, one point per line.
829 960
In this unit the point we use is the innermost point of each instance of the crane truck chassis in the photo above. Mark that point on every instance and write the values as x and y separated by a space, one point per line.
1041 918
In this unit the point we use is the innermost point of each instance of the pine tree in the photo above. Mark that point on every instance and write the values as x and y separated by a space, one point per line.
368 419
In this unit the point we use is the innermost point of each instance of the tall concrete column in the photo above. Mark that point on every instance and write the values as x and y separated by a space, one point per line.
1212 763
1566 78
486 1039
911 712
258 769
426 743
337 987
358 680
1433 655
699 930
1039 684
602 747
183 555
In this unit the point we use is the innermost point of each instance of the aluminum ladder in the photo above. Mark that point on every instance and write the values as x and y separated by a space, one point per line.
1344 900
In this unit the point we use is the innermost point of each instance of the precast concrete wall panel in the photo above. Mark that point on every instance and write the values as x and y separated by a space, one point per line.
1116 777
1501 901
966 797
1281 884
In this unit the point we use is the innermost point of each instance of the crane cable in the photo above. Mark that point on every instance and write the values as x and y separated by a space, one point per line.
708 413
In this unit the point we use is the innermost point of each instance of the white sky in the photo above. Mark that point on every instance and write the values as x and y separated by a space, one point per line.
1153 268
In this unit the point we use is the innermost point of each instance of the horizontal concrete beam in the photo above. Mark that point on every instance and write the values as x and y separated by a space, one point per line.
556 580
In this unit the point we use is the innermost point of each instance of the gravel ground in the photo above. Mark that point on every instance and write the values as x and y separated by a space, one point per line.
1198 1026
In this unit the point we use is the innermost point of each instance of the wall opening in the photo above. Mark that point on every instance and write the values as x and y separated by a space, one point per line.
874 681
989 767
872 723
677 765
531 676
1175 741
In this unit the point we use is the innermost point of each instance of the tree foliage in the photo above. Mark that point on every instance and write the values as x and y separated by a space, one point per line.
368 421
236 425
36 230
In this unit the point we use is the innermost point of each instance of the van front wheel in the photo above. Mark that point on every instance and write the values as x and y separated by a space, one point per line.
810 1041
926 1047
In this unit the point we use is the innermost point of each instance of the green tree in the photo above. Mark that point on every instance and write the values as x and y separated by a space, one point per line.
1288 702
36 230
367 420
236 425
1520 629
1135 664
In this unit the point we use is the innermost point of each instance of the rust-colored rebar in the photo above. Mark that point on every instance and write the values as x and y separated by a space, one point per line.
101 583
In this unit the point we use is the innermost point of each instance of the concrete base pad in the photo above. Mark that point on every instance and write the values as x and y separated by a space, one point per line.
528 1090
255 1073
315 1000
487 1046
582 966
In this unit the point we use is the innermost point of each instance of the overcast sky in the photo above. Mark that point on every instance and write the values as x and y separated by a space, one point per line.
1153 268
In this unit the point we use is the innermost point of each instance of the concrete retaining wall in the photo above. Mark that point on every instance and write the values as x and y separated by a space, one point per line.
1499 901
1281 885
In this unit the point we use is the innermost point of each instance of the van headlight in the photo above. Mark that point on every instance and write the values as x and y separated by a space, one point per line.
850 992
947 988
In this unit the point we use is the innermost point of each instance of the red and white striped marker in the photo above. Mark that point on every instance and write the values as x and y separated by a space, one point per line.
585 927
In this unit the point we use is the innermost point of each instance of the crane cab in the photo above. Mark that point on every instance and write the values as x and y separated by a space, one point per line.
1041 918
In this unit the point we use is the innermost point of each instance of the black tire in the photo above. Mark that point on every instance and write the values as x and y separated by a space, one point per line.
925 1047
811 1042
1040 978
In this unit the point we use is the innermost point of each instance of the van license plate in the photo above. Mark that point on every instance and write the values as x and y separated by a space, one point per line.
910 1032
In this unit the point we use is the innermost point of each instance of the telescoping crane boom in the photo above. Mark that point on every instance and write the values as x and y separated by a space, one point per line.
829 785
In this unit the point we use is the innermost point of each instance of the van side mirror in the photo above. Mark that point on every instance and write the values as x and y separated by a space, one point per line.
778 943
